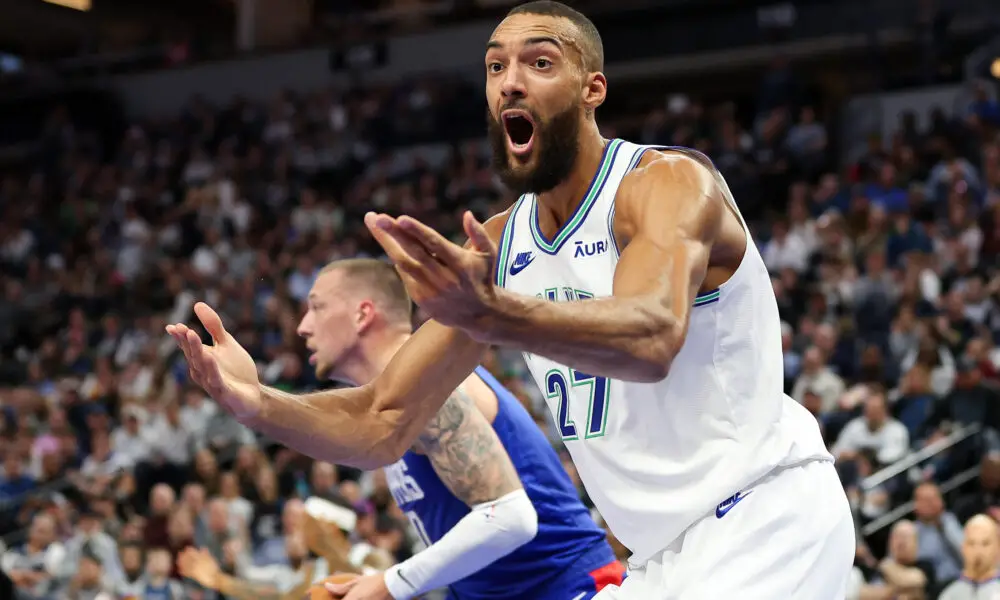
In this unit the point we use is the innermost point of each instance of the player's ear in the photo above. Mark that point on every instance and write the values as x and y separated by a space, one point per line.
595 90
364 316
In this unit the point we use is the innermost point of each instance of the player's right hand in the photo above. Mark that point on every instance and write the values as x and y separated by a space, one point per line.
225 370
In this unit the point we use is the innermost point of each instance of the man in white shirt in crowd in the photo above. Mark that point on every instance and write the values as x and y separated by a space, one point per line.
875 430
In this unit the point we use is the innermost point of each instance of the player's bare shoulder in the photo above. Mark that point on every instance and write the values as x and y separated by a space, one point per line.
495 224
680 188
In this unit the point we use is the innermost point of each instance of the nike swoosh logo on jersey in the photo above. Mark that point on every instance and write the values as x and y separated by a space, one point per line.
579 596
728 504
521 262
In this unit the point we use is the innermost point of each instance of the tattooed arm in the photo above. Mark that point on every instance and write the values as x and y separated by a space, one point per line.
470 460
466 453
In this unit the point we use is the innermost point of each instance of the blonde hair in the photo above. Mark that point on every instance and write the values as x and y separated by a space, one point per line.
380 280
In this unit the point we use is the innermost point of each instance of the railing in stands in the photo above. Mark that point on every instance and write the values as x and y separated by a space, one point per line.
904 509
914 458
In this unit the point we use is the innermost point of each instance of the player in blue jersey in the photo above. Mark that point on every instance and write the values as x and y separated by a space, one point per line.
494 504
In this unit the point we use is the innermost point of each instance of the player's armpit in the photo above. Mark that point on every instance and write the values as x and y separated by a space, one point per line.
466 453
373 425
669 214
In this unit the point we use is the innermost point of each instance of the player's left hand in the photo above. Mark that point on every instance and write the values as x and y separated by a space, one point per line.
369 587
452 284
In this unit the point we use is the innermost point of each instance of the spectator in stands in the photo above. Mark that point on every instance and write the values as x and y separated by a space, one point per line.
14 481
875 430
90 581
901 573
36 566
92 540
818 378
980 556
985 499
939 534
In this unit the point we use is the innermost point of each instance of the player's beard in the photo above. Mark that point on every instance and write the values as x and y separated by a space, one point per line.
556 147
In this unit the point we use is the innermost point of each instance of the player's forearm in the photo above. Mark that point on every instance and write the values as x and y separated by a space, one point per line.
240 589
632 339
487 534
373 425
337 426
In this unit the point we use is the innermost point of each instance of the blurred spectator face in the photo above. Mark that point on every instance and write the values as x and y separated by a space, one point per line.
89 573
812 402
218 516
928 504
42 531
875 264
812 360
875 411
246 459
903 543
131 557
291 515
887 175
12 466
826 338
323 477
229 485
351 491
537 153
779 231
161 500
158 563
980 545
194 497
205 465
916 381
332 323
89 524
180 528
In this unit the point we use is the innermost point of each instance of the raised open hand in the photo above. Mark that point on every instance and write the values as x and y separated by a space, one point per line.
452 284
198 564
225 370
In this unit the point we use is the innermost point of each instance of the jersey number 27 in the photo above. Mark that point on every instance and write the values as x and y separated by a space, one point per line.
558 386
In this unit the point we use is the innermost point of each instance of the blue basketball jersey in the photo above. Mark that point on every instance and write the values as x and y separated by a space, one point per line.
567 539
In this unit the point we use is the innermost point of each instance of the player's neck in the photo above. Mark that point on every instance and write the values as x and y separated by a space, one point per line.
563 199
373 356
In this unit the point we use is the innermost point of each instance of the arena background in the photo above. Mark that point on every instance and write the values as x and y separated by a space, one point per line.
156 153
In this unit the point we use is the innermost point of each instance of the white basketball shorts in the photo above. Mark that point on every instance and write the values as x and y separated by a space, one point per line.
788 537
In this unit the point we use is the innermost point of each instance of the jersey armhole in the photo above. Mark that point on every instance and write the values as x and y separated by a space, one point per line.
636 158
503 248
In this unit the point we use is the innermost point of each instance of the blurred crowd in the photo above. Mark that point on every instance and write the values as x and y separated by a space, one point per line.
885 270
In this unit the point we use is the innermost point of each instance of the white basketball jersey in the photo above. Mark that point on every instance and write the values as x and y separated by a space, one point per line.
657 457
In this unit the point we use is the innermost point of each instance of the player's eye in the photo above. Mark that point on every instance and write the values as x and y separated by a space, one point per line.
494 67
543 63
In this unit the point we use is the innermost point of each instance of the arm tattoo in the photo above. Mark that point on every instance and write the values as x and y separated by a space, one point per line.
466 452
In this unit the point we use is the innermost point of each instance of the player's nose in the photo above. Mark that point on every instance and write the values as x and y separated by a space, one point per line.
513 85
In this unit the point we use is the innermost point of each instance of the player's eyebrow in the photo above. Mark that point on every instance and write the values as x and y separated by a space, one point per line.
532 41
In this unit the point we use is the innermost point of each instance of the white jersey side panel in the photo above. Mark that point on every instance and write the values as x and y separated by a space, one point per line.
656 457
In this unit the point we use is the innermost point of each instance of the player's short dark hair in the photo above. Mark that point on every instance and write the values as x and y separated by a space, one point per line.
591 47
379 278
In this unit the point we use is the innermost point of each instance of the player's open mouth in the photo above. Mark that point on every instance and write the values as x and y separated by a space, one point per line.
520 128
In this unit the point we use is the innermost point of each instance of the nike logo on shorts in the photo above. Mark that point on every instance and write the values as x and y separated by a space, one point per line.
727 505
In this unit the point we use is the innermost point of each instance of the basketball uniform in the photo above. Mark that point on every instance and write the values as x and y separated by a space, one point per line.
569 558
715 479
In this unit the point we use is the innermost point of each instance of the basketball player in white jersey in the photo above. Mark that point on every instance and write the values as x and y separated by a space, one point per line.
629 279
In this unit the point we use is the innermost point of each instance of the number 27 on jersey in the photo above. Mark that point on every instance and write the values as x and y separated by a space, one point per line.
561 384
